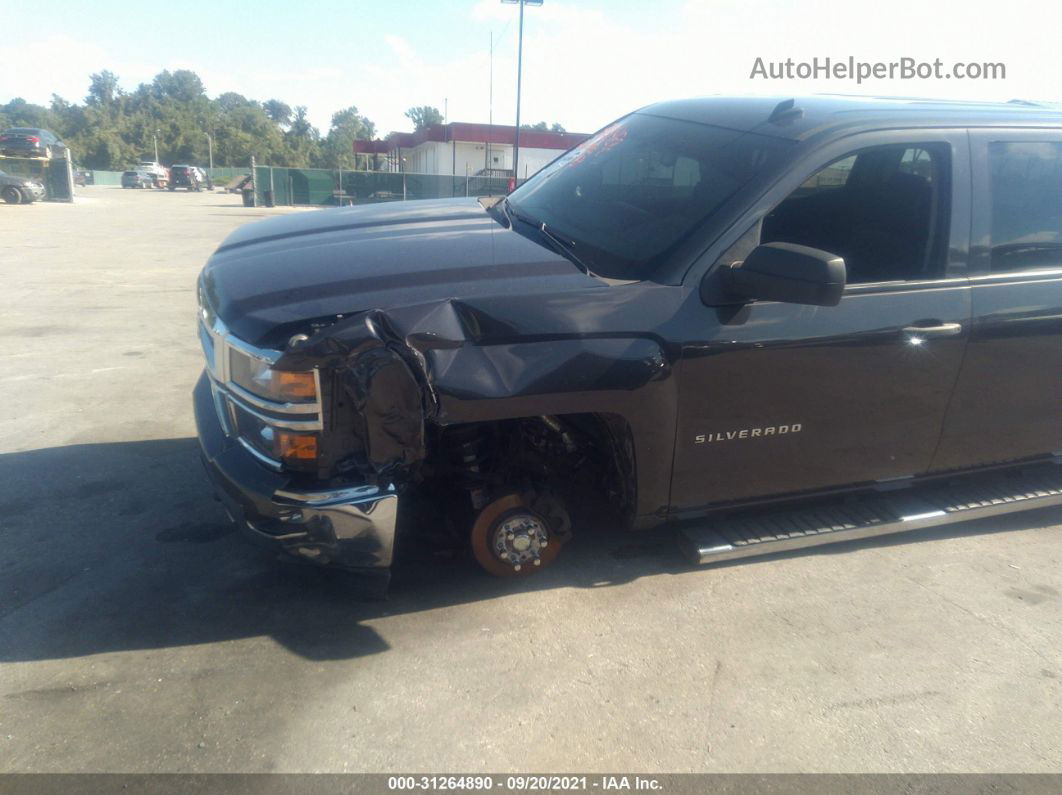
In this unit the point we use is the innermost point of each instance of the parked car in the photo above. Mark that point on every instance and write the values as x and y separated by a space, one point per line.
160 173
20 190
191 177
766 325
82 176
138 179
30 142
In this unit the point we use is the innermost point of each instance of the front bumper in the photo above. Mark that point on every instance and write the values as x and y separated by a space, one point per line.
351 526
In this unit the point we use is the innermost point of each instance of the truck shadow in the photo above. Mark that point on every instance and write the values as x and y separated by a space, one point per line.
118 547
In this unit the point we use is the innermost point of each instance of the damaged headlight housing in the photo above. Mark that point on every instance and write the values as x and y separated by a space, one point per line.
257 377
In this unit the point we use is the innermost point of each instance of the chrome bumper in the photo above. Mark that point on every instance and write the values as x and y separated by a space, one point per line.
351 527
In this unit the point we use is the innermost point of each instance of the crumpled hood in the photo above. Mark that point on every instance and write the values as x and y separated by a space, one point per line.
270 277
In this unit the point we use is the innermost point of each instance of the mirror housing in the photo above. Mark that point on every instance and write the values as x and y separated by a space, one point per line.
788 273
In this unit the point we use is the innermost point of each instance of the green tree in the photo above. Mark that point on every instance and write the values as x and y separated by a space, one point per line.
180 86
112 129
303 140
25 114
347 127
424 116
278 112
542 126
103 90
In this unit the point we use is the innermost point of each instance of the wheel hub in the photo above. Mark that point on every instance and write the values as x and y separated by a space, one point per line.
520 539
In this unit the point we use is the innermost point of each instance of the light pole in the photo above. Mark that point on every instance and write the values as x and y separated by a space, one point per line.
519 75
210 150
155 140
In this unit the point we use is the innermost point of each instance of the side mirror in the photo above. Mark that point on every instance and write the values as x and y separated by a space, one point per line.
788 273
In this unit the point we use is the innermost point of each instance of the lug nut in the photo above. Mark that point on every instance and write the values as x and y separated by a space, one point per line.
504 555
543 544
516 567
511 536
538 562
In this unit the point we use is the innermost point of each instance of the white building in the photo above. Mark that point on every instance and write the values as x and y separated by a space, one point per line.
463 149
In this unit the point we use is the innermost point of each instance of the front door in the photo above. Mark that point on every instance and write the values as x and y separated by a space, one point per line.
783 398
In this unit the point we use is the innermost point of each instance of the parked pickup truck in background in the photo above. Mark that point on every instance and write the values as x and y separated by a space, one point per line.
159 173
722 315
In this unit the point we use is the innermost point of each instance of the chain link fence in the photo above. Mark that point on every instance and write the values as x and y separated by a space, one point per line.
321 187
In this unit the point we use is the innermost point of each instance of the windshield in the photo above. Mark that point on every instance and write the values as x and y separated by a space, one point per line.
632 193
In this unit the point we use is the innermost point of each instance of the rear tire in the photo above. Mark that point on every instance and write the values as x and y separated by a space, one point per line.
12 195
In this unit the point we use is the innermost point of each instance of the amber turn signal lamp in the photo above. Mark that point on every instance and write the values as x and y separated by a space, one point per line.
296 446
294 386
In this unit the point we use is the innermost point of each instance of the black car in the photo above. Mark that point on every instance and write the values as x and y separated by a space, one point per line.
20 190
191 177
30 142
765 324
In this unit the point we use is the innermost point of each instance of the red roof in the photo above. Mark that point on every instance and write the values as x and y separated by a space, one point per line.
473 133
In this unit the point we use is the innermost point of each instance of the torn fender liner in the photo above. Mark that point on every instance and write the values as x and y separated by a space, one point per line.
390 407
384 381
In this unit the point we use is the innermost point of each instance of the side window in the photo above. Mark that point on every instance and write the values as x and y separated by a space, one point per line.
1025 182
918 162
883 209
834 175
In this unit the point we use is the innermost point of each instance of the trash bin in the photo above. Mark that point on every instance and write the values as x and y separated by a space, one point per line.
248 197
269 199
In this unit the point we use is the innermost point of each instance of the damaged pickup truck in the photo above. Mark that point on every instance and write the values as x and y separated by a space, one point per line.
766 324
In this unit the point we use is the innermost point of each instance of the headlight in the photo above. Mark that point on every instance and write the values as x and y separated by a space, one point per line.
256 376
294 448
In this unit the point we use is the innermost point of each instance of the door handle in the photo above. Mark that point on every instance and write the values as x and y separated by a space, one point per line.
924 332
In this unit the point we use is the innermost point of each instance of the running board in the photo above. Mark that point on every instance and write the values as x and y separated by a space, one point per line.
846 519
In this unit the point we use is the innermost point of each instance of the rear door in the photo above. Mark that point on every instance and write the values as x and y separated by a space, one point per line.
1008 399
780 398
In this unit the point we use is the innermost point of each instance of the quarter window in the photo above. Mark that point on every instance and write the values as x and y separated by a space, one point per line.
1026 186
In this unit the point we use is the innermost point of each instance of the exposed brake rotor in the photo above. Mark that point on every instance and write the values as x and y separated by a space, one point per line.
518 534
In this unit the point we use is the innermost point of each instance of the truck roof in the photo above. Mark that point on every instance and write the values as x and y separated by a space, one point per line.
799 118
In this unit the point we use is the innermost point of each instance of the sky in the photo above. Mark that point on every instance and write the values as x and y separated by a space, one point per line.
586 62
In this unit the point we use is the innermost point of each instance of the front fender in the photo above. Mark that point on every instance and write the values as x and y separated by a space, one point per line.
630 378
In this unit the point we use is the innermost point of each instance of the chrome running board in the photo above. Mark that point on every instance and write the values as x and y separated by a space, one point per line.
765 532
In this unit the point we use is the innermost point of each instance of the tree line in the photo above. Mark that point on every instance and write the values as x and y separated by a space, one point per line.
113 129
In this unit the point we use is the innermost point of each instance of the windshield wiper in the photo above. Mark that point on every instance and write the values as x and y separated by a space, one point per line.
563 246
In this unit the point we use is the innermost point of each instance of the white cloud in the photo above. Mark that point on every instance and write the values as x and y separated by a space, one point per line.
400 46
